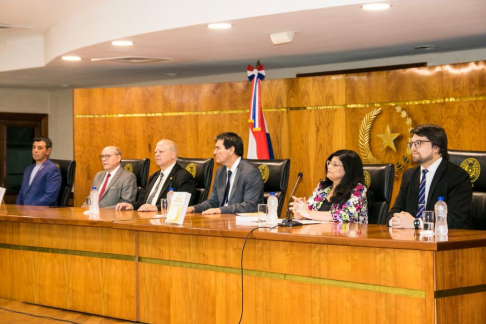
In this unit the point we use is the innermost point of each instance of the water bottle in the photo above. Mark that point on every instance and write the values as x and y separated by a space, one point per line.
272 203
441 217
94 197
169 197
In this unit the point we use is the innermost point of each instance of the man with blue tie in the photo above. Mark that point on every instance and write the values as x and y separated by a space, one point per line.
42 181
238 184
435 177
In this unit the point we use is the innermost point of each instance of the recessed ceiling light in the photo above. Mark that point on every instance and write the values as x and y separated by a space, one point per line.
426 47
220 26
376 6
122 43
171 74
71 58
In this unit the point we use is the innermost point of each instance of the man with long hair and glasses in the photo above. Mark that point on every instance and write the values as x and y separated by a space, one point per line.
434 177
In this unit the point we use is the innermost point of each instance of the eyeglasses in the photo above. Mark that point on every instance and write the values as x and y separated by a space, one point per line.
334 165
106 156
417 143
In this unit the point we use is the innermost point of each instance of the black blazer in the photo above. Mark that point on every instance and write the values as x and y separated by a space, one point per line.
450 181
179 179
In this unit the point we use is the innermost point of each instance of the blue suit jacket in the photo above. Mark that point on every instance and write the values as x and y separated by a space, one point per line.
44 188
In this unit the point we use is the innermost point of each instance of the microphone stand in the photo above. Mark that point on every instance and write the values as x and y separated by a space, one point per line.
289 222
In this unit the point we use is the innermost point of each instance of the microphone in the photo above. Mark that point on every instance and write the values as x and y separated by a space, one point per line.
288 222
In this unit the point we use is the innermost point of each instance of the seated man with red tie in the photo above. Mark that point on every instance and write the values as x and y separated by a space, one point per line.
434 177
238 184
115 184
171 175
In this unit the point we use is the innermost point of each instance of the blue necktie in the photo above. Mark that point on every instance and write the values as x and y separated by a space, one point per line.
421 201
226 191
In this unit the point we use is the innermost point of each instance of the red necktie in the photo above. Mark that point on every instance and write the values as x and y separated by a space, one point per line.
104 186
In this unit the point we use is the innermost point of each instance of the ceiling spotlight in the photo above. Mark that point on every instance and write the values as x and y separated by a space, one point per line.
426 47
220 26
376 6
71 58
282 37
122 43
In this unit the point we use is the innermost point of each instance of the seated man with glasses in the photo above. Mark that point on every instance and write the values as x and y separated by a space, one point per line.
434 177
115 184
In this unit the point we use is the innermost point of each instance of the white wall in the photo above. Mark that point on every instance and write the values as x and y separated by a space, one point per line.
57 104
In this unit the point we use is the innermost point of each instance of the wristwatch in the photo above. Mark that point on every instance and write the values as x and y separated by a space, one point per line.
416 223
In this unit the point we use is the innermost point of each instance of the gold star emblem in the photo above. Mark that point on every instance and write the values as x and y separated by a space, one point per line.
388 139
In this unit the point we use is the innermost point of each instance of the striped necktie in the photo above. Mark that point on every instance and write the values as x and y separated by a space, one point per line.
421 201
154 192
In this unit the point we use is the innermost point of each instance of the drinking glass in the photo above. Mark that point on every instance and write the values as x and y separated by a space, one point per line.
163 206
428 219
262 212
87 203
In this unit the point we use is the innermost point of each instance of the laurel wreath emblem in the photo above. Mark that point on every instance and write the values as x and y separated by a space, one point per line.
364 138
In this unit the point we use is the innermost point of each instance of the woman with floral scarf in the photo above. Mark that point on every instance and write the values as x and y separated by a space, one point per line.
341 197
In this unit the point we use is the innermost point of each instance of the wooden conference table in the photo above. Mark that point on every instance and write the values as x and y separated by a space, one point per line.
133 266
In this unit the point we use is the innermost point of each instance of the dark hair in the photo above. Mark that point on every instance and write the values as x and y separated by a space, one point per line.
353 174
231 139
43 139
435 134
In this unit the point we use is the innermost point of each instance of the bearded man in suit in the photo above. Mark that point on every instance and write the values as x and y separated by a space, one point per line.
434 177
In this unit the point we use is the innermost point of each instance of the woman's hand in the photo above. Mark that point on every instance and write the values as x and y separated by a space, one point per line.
300 208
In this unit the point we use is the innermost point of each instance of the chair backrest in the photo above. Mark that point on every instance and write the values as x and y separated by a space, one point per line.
139 167
275 174
474 163
67 168
202 171
379 180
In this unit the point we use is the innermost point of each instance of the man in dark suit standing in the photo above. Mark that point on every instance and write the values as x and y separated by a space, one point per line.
238 185
171 175
42 181
435 177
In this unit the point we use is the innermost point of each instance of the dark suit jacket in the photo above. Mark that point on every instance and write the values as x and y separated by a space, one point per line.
122 187
450 181
246 194
44 188
179 179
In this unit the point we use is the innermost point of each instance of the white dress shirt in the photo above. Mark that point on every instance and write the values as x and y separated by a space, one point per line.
166 172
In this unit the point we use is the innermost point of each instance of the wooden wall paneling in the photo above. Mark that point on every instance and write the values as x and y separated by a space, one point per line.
464 80
464 123
195 132
314 135
171 293
467 309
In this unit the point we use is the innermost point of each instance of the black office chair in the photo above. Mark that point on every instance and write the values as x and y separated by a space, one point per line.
275 174
67 168
474 163
141 169
379 180
202 171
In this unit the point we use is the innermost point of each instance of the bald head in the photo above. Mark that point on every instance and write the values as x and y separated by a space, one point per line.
110 158
165 153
